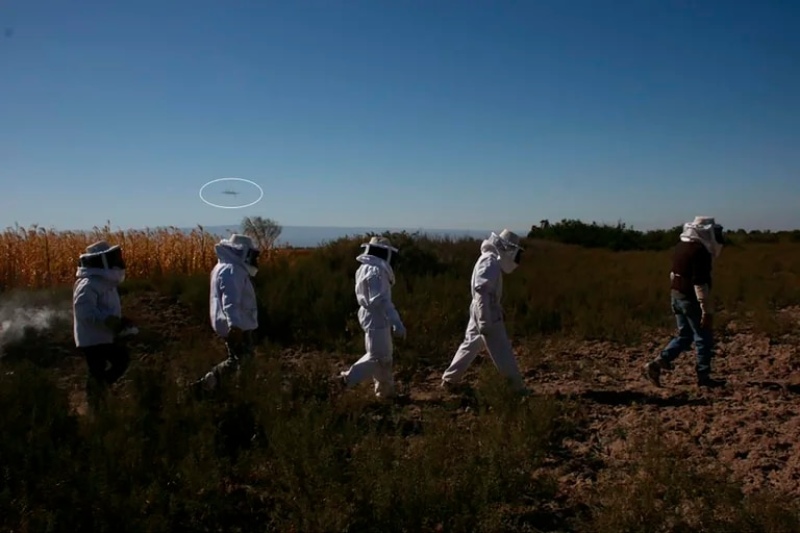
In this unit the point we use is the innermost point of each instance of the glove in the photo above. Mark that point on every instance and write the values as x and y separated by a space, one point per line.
706 321
399 330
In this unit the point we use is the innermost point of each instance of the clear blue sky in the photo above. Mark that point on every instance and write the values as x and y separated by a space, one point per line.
431 113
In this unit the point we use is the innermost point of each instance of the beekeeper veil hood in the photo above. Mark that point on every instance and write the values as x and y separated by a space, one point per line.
239 248
706 231
381 248
103 259
507 244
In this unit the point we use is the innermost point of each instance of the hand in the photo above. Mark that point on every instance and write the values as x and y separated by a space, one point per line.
235 335
399 331
114 323
706 321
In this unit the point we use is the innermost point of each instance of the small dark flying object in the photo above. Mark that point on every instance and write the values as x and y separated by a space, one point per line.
8 32
228 191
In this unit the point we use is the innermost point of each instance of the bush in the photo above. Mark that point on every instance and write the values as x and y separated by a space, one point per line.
565 290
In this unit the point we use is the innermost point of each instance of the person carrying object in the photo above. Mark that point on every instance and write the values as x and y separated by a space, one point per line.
500 254
700 245
233 306
377 316
98 323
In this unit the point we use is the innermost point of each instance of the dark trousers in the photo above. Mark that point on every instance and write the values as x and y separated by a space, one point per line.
238 354
107 363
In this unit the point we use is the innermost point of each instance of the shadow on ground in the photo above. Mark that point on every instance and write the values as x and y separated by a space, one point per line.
627 397
794 388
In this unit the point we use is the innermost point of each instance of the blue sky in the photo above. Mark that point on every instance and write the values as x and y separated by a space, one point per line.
438 114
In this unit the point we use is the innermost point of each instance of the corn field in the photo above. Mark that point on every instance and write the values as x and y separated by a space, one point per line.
37 257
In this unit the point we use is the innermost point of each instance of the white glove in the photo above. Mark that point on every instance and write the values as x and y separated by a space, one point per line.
703 298
129 331
399 330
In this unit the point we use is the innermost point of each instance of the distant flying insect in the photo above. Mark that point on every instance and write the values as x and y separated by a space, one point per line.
228 191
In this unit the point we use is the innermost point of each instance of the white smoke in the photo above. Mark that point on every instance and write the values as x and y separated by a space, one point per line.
16 319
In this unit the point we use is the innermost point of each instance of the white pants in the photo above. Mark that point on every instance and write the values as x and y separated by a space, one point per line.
497 344
375 364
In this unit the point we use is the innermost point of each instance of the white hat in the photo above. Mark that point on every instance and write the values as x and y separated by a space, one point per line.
510 237
381 241
99 247
239 240
101 254
704 221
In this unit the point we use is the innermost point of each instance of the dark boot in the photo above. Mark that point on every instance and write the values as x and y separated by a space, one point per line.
706 381
653 370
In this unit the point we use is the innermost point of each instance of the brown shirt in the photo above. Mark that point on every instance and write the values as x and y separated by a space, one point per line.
691 265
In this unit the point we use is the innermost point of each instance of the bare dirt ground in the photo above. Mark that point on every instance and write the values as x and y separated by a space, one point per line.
751 425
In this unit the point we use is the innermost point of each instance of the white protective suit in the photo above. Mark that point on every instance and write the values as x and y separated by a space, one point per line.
232 296
486 327
377 316
95 296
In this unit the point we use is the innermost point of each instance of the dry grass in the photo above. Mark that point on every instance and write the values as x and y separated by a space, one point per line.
282 453
37 257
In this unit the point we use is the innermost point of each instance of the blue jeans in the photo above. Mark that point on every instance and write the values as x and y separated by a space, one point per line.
687 315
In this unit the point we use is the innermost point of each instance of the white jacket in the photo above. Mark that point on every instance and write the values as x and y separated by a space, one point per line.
232 296
94 299
373 289
486 287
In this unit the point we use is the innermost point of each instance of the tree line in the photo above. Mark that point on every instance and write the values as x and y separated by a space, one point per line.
621 237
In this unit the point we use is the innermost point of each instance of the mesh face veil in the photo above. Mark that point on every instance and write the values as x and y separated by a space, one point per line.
719 235
509 260
251 257
107 260
510 252
706 231
381 251
243 247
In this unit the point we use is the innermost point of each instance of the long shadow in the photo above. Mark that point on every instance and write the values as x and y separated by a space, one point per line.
626 397
775 386
404 400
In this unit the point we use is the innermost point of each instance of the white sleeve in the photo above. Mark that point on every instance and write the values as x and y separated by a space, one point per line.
231 286
702 292
84 303
485 285
379 299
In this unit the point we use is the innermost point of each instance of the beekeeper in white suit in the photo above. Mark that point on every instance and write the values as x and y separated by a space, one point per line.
499 254
97 317
233 307
377 316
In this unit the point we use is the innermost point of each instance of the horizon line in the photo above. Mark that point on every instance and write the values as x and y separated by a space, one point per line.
236 226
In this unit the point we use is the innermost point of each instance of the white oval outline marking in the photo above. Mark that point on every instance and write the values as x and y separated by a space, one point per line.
234 206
